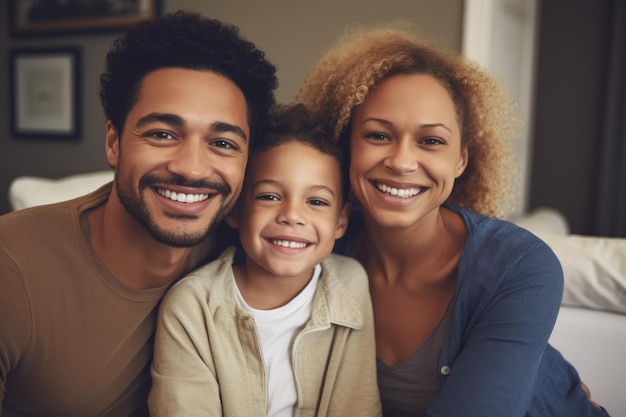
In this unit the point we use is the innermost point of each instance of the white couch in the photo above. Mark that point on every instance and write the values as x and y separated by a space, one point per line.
591 327
28 191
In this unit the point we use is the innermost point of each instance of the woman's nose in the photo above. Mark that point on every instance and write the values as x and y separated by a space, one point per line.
403 158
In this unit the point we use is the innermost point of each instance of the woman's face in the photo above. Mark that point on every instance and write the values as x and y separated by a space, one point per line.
405 150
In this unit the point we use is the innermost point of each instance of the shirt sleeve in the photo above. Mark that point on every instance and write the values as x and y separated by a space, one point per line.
495 372
15 319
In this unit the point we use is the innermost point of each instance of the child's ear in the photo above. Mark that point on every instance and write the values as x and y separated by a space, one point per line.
232 219
342 221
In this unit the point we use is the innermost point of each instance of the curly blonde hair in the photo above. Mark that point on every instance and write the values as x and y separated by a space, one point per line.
363 59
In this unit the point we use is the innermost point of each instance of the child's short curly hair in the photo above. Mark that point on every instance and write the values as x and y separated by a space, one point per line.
363 59
288 123
186 40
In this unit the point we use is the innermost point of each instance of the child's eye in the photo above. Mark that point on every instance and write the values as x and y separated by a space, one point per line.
267 197
318 202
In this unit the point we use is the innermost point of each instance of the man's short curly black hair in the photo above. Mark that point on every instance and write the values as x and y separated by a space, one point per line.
186 40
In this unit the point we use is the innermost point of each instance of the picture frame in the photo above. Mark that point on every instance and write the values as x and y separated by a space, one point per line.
59 17
45 93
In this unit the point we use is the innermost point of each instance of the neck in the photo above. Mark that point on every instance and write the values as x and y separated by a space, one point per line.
129 251
420 255
264 291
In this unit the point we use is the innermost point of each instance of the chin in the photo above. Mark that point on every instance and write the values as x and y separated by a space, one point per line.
178 239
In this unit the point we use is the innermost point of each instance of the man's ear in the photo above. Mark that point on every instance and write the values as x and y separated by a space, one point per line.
112 144
342 221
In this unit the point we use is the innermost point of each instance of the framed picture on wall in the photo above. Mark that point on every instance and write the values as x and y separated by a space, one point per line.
45 93
46 17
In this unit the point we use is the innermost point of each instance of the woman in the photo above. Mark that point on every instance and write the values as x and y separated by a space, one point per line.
464 303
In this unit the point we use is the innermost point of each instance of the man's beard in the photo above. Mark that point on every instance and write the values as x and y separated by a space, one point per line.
139 209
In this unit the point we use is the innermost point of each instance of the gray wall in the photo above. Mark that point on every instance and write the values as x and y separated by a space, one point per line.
292 33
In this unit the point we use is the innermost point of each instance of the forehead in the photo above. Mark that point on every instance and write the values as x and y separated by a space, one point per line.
291 160
411 102
417 88
196 92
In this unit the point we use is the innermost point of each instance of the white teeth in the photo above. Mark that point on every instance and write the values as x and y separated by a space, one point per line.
288 243
182 197
402 192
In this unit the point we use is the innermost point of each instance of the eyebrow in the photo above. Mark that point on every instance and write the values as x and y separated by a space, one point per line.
389 124
177 121
228 127
278 184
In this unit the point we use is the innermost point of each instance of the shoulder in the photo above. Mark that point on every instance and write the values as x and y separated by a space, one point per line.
32 218
207 281
345 273
51 214
48 229
345 287
499 254
341 264
496 238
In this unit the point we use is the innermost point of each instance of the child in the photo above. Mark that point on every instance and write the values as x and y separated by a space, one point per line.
280 328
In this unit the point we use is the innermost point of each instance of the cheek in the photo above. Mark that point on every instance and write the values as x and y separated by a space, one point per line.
234 174
247 224
357 157
360 166
353 177
448 169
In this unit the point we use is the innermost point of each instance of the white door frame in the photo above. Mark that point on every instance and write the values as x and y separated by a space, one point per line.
501 36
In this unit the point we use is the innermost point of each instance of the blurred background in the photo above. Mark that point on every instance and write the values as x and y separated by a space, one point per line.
561 60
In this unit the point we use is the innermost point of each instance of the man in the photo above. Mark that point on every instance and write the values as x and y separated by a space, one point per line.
80 281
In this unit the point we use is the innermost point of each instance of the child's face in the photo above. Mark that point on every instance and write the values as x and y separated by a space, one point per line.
290 211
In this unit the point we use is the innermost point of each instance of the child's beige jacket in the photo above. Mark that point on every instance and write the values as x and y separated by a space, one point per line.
207 361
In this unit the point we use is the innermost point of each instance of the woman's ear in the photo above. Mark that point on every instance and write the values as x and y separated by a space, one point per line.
460 168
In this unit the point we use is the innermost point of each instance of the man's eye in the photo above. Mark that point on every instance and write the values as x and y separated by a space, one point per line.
223 144
159 134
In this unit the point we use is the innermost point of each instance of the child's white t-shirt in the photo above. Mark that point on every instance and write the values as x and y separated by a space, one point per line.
276 330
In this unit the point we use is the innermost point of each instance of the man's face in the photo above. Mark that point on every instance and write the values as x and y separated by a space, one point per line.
182 155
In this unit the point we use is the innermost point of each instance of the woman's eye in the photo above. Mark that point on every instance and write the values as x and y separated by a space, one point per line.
376 136
432 141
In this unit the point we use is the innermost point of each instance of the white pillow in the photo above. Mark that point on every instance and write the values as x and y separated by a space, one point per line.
543 220
594 270
28 191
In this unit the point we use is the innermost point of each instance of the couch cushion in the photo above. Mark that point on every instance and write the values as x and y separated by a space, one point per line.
28 191
594 270
593 341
